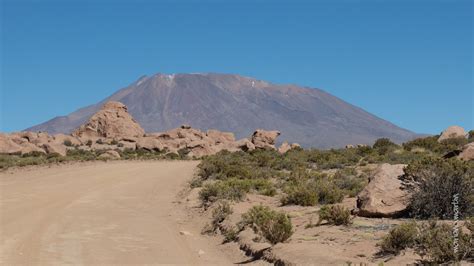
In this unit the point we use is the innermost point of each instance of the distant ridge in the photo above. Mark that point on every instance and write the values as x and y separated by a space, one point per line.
311 117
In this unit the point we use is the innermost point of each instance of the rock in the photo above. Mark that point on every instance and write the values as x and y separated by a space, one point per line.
66 139
245 145
149 143
284 147
7 146
28 148
295 146
201 252
185 233
361 145
54 148
383 196
452 132
122 145
185 126
112 121
265 139
467 153
110 154
220 137
349 146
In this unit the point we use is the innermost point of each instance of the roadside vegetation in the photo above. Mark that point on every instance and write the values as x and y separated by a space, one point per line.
77 155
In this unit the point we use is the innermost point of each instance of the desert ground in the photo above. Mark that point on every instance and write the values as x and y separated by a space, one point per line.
103 213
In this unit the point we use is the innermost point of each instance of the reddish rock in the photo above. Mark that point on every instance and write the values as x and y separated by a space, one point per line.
467 153
265 139
112 121
452 132
383 196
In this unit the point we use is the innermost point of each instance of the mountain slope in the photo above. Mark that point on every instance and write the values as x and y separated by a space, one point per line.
239 104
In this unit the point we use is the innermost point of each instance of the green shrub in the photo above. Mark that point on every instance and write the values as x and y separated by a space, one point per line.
470 137
334 214
437 242
399 238
384 145
349 181
431 240
235 189
436 183
219 214
274 226
300 194
67 143
328 192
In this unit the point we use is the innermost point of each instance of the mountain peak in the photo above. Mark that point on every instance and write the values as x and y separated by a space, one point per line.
239 104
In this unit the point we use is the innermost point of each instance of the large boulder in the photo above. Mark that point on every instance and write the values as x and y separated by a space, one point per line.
112 121
8 146
54 148
263 139
384 196
452 132
220 137
110 155
467 153
149 143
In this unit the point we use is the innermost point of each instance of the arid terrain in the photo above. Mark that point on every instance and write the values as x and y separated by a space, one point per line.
109 193
102 213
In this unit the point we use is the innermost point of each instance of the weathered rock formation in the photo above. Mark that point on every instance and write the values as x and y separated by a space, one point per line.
112 121
452 132
113 129
384 196
265 139
467 153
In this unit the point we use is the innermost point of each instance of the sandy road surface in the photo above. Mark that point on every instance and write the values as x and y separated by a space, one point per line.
101 213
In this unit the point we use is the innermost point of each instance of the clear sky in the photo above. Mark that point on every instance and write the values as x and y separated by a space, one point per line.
407 61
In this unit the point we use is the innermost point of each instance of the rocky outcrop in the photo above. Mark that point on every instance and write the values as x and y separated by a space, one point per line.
452 132
112 129
384 196
8 146
112 121
467 153
263 139
53 148
285 147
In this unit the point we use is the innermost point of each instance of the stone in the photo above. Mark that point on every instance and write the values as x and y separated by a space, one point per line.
264 139
53 148
452 132
112 121
149 143
384 195
467 153
7 146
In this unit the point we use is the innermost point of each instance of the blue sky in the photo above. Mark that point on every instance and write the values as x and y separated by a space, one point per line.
409 62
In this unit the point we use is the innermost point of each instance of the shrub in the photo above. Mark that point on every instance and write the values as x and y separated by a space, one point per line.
300 194
399 238
470 137
67 143
349 181
430 239
334 214
436 241
235 189
219 214
383 145
274 226
328 192
436 183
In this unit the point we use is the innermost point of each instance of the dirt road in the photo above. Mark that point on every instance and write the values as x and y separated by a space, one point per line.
100 213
